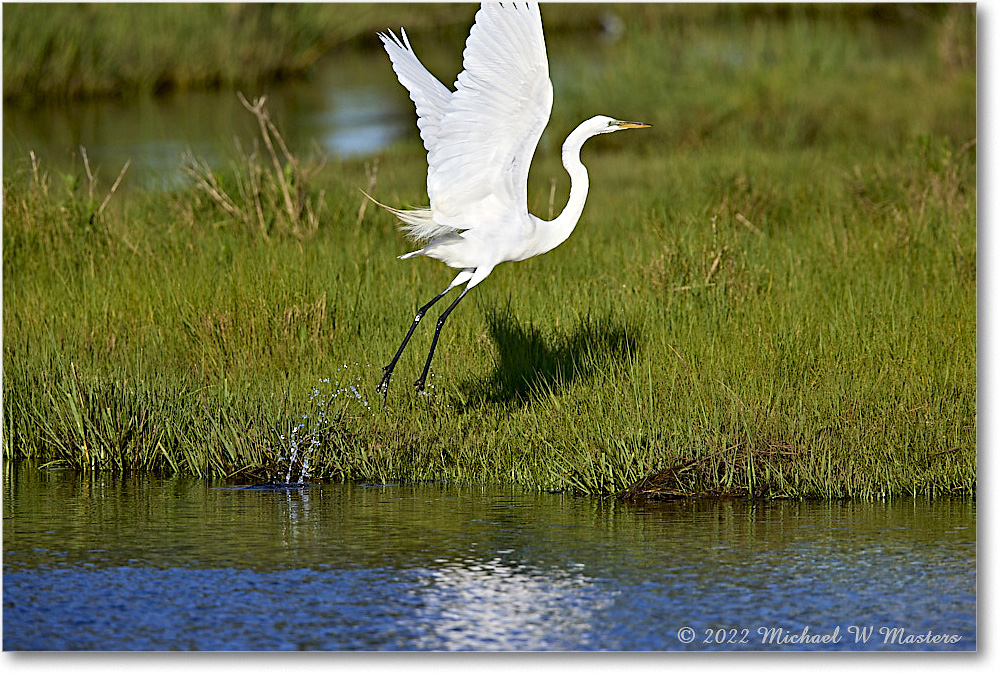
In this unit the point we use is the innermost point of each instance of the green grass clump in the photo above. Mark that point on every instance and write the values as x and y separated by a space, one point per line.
772 292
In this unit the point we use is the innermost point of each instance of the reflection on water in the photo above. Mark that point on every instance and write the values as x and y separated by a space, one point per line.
474 604
342 110
104 563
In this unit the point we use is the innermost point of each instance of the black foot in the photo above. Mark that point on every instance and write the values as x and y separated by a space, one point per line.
383 385
419 384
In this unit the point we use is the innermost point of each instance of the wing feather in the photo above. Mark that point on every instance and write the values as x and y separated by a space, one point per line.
430 98
426 91
480 138
478 166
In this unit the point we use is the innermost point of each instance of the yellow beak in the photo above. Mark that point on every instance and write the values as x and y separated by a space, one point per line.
632 125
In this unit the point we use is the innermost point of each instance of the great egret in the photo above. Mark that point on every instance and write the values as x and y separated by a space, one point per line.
480 139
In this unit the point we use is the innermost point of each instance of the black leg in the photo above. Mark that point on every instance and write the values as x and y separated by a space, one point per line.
383 385
419 384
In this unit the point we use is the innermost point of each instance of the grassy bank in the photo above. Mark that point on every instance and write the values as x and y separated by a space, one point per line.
66 50
772 292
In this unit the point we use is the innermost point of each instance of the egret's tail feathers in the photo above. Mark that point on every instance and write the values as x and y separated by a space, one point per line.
418 224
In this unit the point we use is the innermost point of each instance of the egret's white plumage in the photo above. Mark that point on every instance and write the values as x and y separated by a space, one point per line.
480 139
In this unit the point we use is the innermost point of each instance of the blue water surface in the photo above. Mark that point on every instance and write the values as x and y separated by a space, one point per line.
102 564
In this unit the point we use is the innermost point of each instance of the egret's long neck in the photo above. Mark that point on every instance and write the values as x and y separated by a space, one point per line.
561 227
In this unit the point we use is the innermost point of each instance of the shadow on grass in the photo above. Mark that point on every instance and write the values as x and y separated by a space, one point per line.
530 362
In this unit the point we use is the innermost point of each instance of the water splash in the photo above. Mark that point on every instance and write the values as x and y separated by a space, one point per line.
331 400
328 403
351 391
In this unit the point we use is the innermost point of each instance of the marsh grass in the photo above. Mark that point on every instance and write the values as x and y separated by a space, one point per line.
68 50
273 192
772 293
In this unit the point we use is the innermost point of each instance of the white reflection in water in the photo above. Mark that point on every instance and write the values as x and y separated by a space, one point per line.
295 515
493 605
358 121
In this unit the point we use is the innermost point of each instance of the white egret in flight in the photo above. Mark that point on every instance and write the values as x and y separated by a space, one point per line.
480 139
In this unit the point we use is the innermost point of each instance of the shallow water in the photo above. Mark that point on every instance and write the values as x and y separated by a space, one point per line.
342 110
98 563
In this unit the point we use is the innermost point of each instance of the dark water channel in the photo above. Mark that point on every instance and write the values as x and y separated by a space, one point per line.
99 563
349 106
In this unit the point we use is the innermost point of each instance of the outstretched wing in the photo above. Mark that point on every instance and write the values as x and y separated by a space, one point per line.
426 91
483 143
